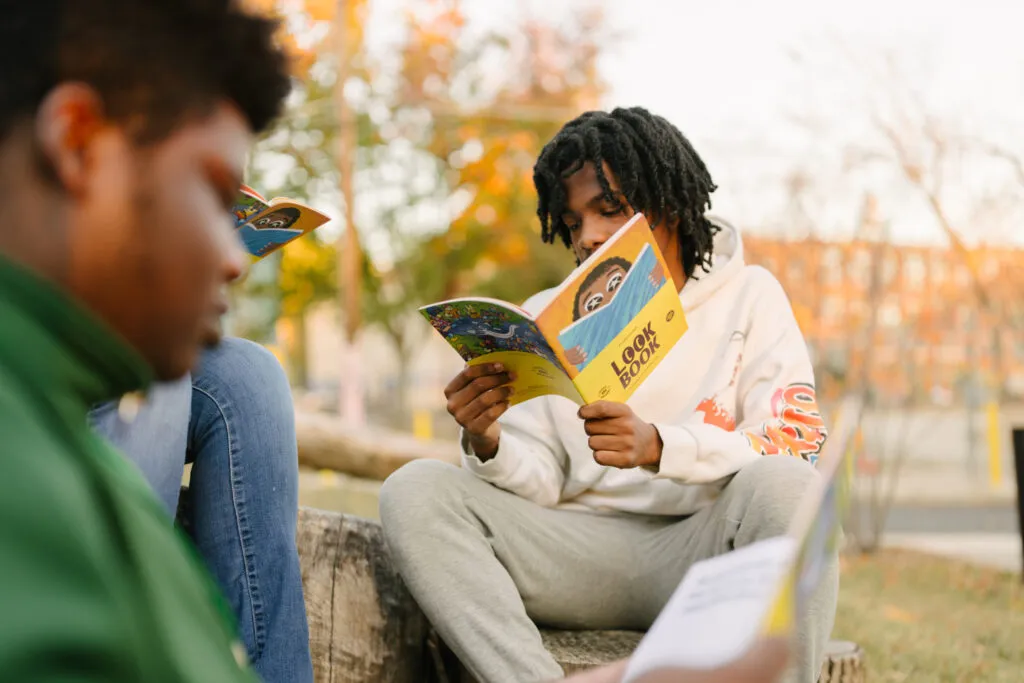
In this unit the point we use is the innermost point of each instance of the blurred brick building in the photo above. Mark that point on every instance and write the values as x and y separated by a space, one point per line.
934 342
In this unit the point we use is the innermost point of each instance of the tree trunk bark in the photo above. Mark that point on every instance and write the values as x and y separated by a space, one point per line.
299 353
364 626
402 387
844 663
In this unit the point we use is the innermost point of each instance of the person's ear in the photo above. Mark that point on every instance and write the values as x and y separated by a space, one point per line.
67 123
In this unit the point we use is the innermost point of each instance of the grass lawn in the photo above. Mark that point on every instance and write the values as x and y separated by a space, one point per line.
921 618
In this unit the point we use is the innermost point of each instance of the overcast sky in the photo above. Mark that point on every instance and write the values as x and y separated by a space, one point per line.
722 70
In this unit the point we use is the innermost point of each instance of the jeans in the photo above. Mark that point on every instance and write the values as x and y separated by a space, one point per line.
234 421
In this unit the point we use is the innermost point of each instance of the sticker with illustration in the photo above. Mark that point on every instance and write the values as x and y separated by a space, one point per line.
607 300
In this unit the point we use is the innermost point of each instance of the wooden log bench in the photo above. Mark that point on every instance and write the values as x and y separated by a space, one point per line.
580 650
325 442
364 625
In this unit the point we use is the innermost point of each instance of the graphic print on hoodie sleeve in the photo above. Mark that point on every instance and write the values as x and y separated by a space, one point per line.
797 429
795 426
760 396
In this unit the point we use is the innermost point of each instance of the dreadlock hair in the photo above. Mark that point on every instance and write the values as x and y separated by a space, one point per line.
657 169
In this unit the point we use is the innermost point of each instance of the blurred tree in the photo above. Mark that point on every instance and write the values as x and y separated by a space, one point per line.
449 126
297 159
478 109
308 275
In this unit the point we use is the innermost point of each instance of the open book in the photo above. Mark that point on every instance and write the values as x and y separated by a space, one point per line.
265 227
725 604
607 326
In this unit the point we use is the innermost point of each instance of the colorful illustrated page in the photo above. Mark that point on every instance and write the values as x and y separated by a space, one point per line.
477 328
277 225
247 204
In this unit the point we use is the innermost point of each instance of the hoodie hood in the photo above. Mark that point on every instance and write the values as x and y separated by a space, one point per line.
726 263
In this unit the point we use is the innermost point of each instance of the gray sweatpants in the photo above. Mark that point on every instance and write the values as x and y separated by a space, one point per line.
486 565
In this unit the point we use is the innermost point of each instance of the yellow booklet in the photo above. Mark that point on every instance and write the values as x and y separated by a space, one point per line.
266 226
609 324
725 604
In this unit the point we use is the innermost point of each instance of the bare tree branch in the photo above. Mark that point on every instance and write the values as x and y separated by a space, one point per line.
924 151
914 173
1016 162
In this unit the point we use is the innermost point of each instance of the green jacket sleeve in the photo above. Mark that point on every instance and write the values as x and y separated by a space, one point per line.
60 616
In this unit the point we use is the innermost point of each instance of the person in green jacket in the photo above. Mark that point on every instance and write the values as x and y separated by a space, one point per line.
124 129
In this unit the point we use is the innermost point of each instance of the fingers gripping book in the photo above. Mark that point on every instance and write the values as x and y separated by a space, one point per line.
608 325
725 604
264 227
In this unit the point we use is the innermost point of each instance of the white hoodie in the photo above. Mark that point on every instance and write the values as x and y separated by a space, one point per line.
737 386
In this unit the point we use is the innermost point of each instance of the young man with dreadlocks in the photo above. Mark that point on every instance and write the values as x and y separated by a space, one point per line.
588 518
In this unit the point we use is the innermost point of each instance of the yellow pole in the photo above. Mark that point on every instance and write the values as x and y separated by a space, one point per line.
422 425
995 465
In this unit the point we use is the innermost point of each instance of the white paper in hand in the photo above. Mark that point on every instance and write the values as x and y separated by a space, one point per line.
726 603
717 611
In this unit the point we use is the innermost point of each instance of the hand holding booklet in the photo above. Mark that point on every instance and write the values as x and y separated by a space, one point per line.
608 325
726 604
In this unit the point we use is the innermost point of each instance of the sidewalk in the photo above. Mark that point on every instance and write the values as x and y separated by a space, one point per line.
998 551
